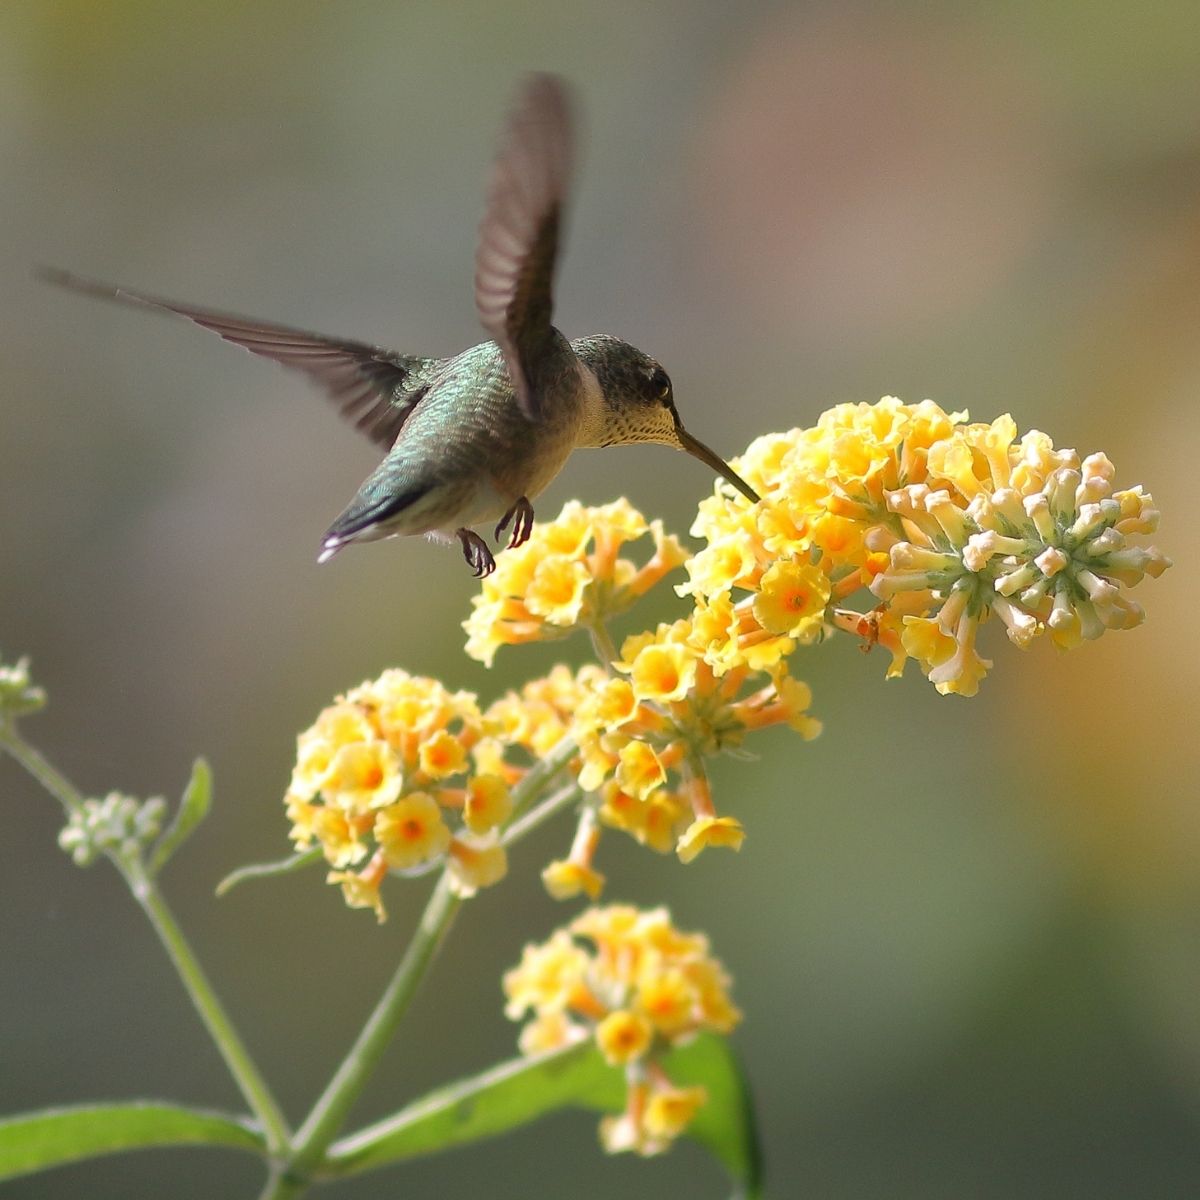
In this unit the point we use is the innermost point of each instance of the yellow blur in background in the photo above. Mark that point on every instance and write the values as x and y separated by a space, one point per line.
966 934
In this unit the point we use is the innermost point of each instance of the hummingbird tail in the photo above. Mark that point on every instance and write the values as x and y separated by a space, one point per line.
369 516
329 547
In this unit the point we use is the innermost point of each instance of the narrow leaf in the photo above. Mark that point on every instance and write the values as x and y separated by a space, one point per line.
302 858
56 1136
193 808
517 1092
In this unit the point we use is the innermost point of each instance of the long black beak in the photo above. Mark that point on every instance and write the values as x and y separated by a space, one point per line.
698 449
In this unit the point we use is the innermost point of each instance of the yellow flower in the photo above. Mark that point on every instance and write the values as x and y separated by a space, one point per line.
556 591
476 863
442 755
639 769
717 1011
729 561
488 803
362 776
610 705
359 892
361 889
567 575
668 999
411 831
710 831
337 726
927 510
569 533
406 705
663 672
565 880
645 986
623 1036
670 1110
791 599
546 977
550 1030
654 822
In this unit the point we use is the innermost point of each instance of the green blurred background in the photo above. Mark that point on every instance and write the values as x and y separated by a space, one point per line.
966 934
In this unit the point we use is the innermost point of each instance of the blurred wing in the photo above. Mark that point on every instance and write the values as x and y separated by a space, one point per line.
374 389
518 238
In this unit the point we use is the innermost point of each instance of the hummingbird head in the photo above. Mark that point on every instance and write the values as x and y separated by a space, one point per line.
637 404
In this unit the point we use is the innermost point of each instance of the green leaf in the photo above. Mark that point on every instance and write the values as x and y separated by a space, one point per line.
726 1124
193 808
56 1136
301 858
521 1090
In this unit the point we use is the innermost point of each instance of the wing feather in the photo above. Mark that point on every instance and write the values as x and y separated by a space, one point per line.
519 235
375 389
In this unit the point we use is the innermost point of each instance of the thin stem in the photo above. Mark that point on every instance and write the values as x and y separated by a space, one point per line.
145 891
237 1058
603 644
330 1112
540 774
551 806
32 759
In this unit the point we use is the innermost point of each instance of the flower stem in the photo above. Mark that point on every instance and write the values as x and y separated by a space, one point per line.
32 759
603 645
541 813
539 775
329 1113
237 1058
145 891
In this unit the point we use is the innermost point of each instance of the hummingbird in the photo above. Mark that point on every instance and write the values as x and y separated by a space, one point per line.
476 437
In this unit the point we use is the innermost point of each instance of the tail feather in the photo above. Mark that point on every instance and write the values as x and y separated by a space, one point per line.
365 518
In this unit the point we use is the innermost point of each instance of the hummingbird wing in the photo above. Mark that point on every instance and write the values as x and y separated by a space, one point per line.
373 388
518 237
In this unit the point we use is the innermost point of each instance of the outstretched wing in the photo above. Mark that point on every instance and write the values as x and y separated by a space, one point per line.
373 388
518 238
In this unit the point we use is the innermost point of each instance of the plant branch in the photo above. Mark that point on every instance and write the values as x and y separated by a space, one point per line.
237 1058
331 1110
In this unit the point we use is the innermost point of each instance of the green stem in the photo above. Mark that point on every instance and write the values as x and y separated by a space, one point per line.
237 1058
53 780
145 891
329 1113
603 644
293 1175
540 774
548 808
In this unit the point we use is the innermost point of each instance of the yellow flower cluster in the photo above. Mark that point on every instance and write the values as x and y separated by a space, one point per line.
803 548
641 987
398 775
946 522
644 726
568 575
642 734
1016 529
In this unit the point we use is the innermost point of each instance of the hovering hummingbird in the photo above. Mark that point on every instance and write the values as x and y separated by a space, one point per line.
475 437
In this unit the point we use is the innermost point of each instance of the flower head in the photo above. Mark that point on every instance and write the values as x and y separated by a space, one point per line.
948 523
568 575
635 983
398 775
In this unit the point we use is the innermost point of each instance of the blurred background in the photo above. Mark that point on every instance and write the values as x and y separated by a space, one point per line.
966 934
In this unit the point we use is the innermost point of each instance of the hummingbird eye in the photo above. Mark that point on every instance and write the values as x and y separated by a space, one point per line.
660 385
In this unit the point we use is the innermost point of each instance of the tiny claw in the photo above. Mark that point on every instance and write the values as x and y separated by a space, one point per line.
522 511
475 551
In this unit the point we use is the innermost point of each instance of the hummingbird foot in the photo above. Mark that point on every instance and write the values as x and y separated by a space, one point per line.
475 551
522 511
